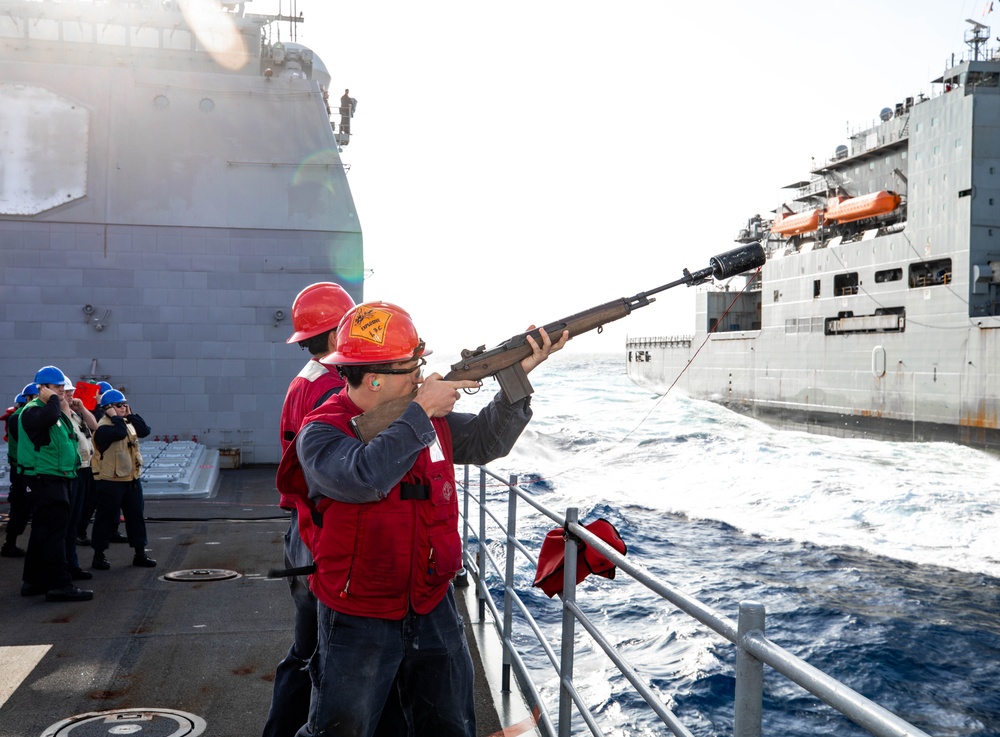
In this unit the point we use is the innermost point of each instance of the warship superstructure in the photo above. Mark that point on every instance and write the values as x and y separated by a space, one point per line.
877 312
170 178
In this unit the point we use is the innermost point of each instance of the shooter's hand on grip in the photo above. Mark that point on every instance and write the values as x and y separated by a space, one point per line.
438 397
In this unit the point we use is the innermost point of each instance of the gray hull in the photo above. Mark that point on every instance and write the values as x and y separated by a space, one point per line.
160 208
885 326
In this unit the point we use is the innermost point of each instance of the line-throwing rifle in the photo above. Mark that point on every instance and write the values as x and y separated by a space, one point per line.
504 361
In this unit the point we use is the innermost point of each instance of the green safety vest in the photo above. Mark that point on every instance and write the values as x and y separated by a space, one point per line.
58 457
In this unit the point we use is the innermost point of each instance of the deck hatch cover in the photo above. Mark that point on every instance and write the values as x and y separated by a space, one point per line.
196 575
140 722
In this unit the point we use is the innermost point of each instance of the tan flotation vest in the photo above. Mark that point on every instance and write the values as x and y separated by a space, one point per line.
121 461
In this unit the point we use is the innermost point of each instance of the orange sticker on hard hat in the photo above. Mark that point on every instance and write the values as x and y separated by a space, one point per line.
370 324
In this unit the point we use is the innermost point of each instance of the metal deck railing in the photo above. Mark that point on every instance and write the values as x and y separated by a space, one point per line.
753 649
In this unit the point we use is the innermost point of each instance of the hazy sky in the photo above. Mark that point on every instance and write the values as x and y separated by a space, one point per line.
518 162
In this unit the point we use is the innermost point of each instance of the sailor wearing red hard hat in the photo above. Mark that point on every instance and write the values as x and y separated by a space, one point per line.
381 521
316 312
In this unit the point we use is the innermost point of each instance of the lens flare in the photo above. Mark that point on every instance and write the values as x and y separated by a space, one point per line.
216 31
322 168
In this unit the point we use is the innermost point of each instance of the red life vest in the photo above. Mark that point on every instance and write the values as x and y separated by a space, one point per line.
314 383
380 559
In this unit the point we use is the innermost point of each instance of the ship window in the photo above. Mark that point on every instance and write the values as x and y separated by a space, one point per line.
888 275
937 150
958 143
791 326
78 32
816 284
983 79
902 155
9 28
776 295
148 38
920 127
177 39
934 122
965 193
845 284
114 35
930 273
44 30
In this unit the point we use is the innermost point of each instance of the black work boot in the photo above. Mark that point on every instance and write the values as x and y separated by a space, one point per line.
10 549
69 593
142 560
100 562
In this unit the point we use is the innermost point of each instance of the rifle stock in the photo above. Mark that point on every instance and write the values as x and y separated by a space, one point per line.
504 361
366 426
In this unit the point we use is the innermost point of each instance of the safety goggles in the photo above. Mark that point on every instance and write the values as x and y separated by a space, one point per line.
421 362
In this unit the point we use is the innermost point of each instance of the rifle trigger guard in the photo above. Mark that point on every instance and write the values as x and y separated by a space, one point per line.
474 391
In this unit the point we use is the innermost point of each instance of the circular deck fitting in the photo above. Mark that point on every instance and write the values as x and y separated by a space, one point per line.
141 722
197 575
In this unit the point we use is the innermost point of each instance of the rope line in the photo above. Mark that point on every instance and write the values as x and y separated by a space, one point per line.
708 335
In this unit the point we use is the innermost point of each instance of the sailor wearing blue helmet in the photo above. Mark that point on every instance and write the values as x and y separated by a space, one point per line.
17 497
117 467
48 457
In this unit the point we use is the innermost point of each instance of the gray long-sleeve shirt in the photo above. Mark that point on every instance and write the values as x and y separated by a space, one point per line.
343 468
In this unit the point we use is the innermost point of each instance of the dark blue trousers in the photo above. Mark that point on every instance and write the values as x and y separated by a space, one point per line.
362 662
45 561
292 684
20 506
112 497
77 492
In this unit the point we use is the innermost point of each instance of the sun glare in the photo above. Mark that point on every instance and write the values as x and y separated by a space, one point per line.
216 32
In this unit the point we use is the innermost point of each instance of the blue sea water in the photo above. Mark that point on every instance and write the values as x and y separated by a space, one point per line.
876 562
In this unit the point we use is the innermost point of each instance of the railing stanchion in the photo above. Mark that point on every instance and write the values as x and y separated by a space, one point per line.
568 628
466 526
749 674
481 553
508 604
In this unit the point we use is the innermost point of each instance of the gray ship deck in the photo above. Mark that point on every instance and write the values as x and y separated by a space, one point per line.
202 648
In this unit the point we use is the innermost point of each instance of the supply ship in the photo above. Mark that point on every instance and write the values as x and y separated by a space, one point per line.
877 311
170 179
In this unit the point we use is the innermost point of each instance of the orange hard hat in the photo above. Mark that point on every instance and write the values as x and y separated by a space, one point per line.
376 332
318 308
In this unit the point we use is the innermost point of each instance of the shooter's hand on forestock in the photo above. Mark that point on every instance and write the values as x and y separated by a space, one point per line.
540 352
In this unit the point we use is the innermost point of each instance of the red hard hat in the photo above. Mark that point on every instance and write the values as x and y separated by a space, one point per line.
318 308
376 332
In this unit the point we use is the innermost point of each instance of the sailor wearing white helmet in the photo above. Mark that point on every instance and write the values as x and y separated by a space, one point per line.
84 425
